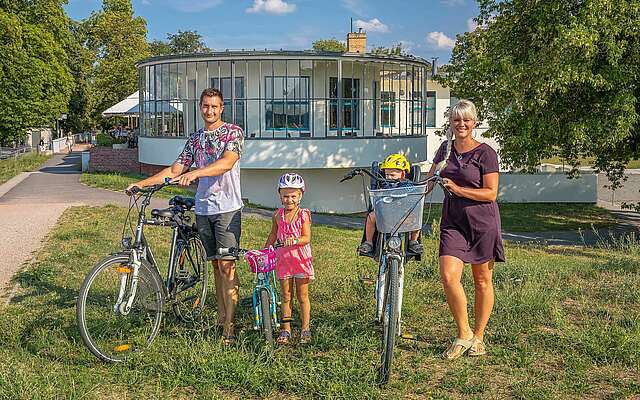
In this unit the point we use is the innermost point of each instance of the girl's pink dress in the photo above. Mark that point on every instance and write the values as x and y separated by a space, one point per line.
293 261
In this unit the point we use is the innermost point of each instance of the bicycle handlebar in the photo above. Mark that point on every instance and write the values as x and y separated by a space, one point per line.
359 171
435 178
150 189
236 251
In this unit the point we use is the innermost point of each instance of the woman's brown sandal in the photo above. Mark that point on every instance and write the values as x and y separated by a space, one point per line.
477 348
457 348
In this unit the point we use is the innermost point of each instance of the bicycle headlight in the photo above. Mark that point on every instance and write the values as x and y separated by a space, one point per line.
126 242
261 275
394 243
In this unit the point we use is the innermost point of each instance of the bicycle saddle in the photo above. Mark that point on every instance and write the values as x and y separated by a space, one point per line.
164 213
186 202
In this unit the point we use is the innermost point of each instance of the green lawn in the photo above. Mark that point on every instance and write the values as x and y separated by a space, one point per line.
11 167
566 325
539 217
119 182
516 217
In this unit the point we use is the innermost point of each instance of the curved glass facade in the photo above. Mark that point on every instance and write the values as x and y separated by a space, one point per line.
289 95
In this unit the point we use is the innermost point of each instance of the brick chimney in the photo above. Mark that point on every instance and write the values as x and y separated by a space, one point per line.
357 42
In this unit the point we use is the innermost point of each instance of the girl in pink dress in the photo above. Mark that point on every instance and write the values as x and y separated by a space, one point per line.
291 226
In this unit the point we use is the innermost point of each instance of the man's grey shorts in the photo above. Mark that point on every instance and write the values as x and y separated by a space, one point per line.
219 230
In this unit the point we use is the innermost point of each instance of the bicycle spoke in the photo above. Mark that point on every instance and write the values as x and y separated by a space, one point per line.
108 332
190 281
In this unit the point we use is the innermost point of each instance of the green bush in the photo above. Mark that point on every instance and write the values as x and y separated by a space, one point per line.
103 139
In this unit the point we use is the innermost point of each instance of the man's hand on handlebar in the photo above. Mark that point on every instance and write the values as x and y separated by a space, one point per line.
132 189
186 179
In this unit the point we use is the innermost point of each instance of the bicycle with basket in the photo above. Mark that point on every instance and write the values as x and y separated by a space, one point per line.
398 212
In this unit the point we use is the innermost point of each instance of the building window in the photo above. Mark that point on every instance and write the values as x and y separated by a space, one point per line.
350 103
287 103
416 109
224 85
431 109
388 109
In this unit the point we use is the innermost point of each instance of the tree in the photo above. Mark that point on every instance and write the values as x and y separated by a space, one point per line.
186 42
81 60
119 41
35 82
329 45
555 78
160 48
394 50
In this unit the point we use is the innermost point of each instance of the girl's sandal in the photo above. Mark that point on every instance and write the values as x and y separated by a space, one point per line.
229 340
477 348
457 348
305 337
284 337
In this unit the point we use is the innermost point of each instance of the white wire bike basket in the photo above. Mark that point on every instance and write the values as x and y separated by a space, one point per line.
398 204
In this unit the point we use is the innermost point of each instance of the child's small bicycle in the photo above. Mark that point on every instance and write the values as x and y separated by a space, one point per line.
265 296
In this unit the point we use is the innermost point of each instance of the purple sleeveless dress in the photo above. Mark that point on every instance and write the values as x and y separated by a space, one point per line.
470 229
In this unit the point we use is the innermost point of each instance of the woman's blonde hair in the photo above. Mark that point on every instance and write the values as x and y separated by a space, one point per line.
463 109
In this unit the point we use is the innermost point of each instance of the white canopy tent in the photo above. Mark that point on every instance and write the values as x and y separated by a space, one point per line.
126 108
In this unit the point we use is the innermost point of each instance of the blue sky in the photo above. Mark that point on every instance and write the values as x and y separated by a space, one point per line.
426 27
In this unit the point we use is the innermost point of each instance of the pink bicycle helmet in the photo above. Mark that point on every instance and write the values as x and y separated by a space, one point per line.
291 180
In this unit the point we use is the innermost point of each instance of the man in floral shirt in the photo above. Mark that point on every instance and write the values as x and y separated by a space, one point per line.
215 151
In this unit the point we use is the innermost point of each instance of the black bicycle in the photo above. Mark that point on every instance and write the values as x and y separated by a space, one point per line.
121 302
398 212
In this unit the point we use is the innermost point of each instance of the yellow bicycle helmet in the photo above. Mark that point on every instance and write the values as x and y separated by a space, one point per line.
397 161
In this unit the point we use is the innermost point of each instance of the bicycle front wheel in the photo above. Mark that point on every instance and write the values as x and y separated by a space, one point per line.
108 329
265 309
389 320
190 281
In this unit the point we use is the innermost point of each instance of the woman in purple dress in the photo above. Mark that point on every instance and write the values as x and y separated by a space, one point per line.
470 226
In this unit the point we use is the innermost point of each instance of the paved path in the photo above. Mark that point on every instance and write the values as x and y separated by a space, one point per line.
31 203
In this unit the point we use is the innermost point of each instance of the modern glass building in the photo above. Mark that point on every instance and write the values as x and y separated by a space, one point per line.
313 112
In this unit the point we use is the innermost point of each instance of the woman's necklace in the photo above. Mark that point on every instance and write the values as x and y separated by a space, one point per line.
459 155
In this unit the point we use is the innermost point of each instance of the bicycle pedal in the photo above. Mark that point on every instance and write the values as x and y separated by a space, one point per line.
409 336
367 280
182 274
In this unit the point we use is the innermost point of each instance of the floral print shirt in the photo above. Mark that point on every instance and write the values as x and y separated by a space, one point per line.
216 194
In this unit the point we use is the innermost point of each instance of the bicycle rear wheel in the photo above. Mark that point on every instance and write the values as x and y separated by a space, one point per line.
389 320
265 309
109 333
190 281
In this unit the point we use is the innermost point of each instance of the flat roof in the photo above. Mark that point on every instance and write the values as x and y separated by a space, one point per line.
281 54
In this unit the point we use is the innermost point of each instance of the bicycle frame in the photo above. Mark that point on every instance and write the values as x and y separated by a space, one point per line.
268 282
262 281
388 253
140 250
380 290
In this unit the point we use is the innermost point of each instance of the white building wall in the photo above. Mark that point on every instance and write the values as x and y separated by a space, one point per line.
297 154
541 188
